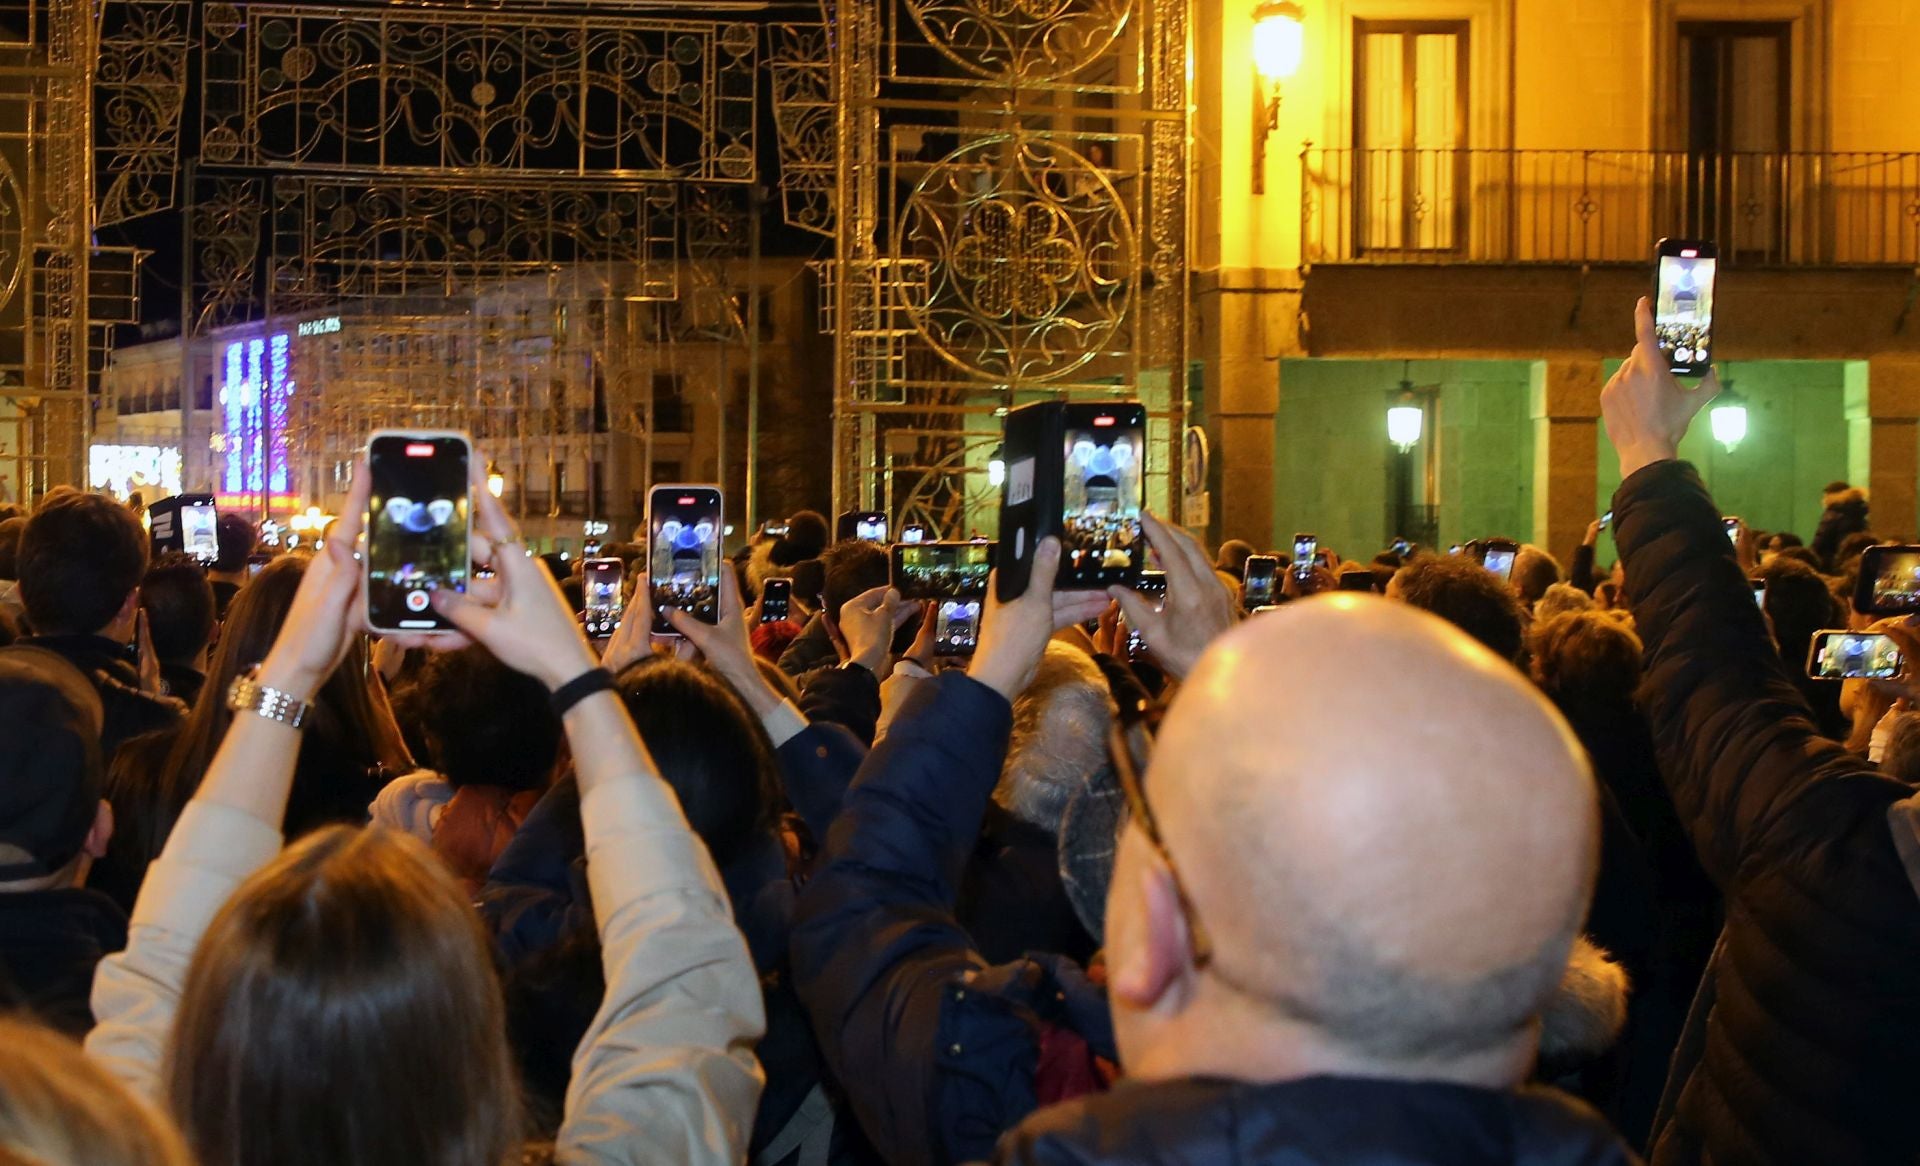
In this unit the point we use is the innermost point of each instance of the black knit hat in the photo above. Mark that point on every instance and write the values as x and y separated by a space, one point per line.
51 775
806 537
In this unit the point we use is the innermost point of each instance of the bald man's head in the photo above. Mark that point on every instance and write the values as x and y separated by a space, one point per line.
1389 836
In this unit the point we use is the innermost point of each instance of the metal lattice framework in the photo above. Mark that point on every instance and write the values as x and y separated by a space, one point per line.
48 341
1011 224
140 87
499 203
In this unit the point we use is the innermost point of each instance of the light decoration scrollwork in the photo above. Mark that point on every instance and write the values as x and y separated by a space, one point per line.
1021 42
338 239
140 86
800 63
411 89
1033 255
225 222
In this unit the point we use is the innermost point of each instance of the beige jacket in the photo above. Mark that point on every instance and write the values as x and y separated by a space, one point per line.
665 1074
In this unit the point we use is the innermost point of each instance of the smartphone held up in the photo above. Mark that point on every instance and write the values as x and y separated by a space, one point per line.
1838 654
684 534
1683 304
1076 472
418 517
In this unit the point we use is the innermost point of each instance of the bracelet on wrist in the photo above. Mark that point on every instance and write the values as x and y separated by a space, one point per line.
247 695
580 688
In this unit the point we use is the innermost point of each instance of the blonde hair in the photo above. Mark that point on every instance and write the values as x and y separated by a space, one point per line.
57 1108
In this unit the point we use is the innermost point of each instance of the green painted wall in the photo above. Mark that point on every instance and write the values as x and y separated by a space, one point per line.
1331 453
1796 443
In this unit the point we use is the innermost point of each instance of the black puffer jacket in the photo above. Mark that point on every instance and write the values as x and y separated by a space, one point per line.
1809 1052
1319 1121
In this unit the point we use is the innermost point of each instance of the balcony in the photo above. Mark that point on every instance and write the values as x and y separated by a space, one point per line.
1575 207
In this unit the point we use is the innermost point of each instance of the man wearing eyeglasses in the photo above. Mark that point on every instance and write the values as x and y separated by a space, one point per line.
1341 903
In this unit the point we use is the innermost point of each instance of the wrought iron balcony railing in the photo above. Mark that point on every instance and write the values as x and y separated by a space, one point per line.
1396 206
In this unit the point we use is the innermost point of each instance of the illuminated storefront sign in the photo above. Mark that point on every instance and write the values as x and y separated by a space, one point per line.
124 469
320 327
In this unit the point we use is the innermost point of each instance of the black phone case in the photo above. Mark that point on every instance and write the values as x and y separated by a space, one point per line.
1031 498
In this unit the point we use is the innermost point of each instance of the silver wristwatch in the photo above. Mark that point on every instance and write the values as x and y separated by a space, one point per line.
248 695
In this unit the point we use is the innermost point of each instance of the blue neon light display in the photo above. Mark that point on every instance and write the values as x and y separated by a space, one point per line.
253 398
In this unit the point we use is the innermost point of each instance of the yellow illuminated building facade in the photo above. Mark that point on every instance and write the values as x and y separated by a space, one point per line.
1457 202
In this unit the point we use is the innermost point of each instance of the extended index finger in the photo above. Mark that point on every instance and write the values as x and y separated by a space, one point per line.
1644 334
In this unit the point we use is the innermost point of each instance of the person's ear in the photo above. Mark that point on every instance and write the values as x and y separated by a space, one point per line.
100 833
1161 955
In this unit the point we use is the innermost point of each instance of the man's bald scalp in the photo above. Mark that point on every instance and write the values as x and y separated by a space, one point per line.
1389 834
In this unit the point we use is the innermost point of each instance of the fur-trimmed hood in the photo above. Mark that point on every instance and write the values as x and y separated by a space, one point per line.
1850 497
1587 1012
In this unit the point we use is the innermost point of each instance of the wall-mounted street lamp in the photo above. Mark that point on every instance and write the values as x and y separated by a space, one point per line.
1406 419
1413 471
496 481
997 467
1728 415
1279 43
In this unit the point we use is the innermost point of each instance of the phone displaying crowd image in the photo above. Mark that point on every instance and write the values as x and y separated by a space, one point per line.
1257 590
1889 582
776 600
684 533
956 628
1153 586
417 521
200 529
1305 548
601 581
947 570
1104 487
1683 304
1843 655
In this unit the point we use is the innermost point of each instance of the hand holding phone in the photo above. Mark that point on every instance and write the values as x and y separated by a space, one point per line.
1256 590
1838 654
776 600
602 581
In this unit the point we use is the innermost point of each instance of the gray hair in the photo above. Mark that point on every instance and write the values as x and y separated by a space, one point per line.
1561 598
1060 724
1900 759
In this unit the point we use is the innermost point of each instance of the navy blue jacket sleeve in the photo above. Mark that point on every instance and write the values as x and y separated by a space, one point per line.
1736 741
817 766
934 1072
533 896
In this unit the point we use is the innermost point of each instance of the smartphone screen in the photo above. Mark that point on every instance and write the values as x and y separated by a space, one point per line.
416 527
200 529
776 600
913 533
1105 489
942 570
1683 305
1499 559
683 553
255 563
1305 547
1889 581
601 579
1731 525
1153 585
1844 655
1759 592
956 630
1606 520
1258 590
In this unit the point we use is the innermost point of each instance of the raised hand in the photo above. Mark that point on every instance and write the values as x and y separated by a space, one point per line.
728 648
1646 408
1197 609
527 623
1013 636
327 609
633 641
867 623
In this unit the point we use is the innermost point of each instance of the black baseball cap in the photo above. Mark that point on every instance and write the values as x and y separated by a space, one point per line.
51 773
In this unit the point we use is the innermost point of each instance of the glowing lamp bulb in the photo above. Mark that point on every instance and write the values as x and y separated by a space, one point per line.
996 470
1279 40
496 481
1729 418
1404 424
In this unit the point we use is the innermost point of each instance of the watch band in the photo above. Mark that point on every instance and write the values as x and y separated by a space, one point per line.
580 688
248 695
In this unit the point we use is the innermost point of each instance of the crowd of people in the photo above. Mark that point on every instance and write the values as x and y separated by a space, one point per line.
1558 866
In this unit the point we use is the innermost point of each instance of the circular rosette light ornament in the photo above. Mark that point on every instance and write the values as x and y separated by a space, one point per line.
1030 258
1021 41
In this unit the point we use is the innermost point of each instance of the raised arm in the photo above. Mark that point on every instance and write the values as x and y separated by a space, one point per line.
1737 743
231 828
877 954
666 1072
